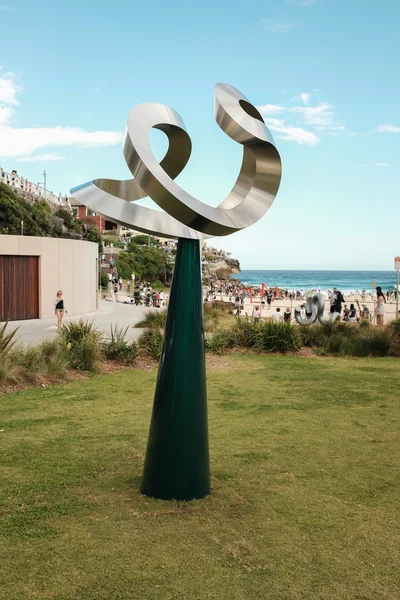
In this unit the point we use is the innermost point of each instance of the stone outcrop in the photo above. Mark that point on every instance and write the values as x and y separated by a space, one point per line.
219 265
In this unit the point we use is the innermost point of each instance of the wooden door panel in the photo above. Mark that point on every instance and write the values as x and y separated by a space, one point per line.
19 287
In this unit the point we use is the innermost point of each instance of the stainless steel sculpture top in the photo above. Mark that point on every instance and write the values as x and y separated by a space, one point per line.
315 307
185 216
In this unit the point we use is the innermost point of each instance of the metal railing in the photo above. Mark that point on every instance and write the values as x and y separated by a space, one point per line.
24 186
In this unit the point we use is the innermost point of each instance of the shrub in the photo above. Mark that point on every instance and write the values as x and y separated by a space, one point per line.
243 333
7 341
32 363
82 340
374 342
84 355
10 370
75 332
211 316
337 343
277 337
219 305
118 349
218 341
153 320
55 358
312 335
151 342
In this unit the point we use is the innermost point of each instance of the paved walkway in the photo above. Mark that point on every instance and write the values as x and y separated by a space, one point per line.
123 315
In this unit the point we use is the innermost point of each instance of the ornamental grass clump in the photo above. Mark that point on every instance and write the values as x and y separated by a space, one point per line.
150 341
373 342
153 320
10 371
117 348
82 341
277 337
244 332
219 341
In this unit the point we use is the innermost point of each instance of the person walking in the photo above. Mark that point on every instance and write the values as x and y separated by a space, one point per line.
59 308
380 306
257 313
116 289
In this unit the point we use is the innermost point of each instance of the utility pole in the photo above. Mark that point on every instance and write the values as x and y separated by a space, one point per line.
44 180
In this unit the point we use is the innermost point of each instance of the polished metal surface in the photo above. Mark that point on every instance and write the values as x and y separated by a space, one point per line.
315 311
185 216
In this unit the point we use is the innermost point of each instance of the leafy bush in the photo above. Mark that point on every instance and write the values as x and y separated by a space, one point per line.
151 342
118 349
153 320
104 280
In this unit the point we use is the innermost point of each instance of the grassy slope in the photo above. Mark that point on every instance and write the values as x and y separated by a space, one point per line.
305 483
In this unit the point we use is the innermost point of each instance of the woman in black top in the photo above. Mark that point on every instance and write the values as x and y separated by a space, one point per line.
59 308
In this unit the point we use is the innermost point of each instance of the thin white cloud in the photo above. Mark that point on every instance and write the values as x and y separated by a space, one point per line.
276 26
319 118
320 115
50 157
22 143
7 9
271 109
305 97
292 134
389 129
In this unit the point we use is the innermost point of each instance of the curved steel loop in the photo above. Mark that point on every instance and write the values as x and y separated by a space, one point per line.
315 307
185 216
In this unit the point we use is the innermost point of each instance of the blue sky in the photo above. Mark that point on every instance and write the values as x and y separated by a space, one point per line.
324 72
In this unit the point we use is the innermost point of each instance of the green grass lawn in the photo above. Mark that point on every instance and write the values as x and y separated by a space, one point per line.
305 488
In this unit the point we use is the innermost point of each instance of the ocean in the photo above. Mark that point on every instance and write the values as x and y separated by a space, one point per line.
345 281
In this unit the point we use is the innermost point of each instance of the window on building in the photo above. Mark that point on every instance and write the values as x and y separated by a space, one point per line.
90 213
74 210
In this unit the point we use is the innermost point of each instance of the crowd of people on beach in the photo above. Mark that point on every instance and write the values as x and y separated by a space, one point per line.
236 293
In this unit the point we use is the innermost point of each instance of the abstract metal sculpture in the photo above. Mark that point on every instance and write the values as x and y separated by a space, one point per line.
315 310
177 459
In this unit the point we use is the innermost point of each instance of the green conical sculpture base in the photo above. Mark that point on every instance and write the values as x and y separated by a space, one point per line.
177 458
